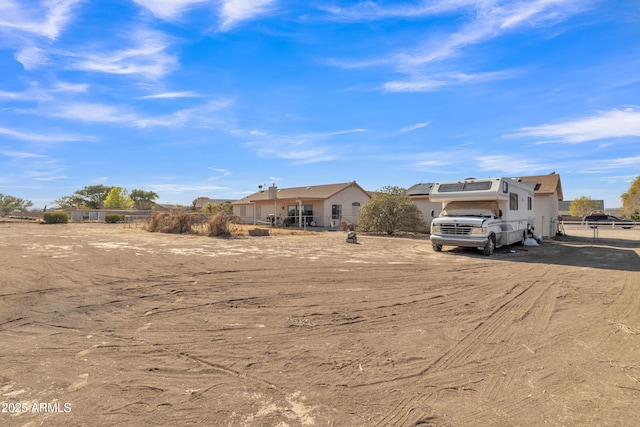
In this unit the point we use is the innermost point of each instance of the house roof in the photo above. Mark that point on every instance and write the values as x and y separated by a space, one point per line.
312 192
549 184
422 189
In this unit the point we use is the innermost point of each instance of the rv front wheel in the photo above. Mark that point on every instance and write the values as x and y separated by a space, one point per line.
437 248
490 246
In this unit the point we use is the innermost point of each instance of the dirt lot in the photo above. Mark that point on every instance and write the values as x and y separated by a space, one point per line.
102 325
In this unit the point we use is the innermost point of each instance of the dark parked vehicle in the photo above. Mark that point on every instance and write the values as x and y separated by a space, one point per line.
600 219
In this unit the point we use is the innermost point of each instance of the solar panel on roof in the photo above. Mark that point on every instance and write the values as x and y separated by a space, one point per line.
421 190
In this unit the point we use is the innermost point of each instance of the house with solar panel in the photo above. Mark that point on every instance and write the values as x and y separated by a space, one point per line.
419 193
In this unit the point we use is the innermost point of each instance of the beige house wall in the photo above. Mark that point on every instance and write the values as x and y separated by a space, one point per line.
322 209
546 215
345 198
429 210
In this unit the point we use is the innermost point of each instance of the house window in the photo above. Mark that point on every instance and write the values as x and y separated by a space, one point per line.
243 211
355 208
513 201
294 210
529 203
336 211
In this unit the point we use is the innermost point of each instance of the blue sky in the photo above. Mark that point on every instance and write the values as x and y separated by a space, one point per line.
212 98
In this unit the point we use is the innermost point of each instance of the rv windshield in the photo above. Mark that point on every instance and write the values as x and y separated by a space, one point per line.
483 209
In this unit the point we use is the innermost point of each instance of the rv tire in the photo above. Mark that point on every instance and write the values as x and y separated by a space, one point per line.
490 246
437 248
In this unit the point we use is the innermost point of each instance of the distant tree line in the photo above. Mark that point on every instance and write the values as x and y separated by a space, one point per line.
102 196
213 207
9 204
583 205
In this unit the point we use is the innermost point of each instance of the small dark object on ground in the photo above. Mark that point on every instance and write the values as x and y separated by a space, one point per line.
259 232
352 237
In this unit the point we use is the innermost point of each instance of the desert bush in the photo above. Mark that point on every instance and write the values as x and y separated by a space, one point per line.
221 224
113 218
55 218
175 222
180 222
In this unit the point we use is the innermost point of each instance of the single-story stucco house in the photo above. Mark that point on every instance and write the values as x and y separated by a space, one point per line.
317 205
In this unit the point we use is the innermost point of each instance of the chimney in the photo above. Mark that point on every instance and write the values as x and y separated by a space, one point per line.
273 192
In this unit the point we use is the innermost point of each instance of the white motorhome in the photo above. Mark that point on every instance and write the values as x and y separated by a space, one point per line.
482 213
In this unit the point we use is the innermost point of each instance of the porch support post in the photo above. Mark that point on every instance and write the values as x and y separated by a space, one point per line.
300 213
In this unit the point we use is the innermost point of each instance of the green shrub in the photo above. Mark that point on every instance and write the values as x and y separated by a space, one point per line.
113 218
55 217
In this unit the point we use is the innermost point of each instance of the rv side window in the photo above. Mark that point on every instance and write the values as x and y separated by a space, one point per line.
513 201
529 203
505 187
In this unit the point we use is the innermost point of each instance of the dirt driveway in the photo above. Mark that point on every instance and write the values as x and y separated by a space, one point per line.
102 325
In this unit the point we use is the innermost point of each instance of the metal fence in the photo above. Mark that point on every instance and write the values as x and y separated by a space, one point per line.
310 221
601 229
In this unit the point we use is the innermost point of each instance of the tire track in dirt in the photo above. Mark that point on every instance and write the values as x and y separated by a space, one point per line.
411 411
492 330
522 316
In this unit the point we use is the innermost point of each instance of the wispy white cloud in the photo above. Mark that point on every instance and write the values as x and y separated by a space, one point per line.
40 137
38 93
182 188
70 87
233 12
510 165
46 18
604 125
90 112
170 95
434 82
372 11
31 94
209 114
147 57
202 115
414 127
169 10
631 163
31 57
299 148
483 20
21 154
315 155
222 174
51 175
